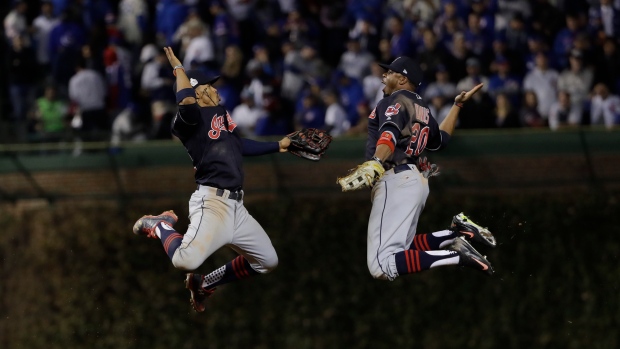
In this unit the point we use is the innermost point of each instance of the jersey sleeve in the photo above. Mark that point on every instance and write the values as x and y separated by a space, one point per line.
393 118
185 121
250 147
391 113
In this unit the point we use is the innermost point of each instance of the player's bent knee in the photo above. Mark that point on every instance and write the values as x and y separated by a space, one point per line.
185 264
268 265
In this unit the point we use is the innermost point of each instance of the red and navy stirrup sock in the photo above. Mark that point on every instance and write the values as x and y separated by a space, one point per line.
169 238
237 269
433 241
413 261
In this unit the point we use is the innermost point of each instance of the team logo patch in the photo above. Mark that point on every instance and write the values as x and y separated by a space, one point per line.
193 82
373 114
392 110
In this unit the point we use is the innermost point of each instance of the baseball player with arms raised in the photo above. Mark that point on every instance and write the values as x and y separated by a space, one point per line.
399 129
217 215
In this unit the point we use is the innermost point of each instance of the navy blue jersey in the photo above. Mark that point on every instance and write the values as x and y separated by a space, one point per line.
213 144
406 120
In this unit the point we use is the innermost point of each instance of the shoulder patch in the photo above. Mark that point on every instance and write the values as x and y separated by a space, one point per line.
373 114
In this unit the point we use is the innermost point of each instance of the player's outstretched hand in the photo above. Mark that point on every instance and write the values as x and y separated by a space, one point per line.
174 61
465 96
284 143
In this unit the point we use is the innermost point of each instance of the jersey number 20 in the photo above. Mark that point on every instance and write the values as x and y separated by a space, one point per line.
418 139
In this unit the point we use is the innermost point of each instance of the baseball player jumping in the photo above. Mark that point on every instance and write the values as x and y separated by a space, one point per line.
216 211
399 129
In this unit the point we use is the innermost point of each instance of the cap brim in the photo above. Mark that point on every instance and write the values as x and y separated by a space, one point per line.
212 81
384 66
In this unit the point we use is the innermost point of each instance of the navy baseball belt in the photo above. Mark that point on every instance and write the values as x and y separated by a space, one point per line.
232 195
236 195
401 168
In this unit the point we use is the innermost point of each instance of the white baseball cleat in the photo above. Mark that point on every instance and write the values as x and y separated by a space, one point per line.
472 231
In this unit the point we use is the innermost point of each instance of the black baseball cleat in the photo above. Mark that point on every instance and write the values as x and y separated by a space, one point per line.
472 231
146 224
469 257
198 294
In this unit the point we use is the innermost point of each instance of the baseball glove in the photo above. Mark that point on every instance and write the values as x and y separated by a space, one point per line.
363 176
309 143
426 168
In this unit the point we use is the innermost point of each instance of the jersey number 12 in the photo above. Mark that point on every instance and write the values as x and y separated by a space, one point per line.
418 140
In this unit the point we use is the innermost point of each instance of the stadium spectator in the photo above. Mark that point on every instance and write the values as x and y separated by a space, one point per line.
43 25
373 85
610 18
354 62
224 30
605 107
607 69
448 22
87 89
474 76
563 42
126 127
162 113
22 74
442 85
399 39
543 81
577 81
311 113
157 79
199 50
515 35
247 114
232 68
15 23
298 29
169 16
504 82
336 120
351 94
529 115
438 106
459 55
508 9
478 40
366 34
65 46
132 21
505 114
118 81
430 55
563 113
50 116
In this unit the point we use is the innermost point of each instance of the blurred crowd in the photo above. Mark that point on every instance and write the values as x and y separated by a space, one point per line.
95 69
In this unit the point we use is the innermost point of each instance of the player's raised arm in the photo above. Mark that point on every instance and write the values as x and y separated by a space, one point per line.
449 122
185 92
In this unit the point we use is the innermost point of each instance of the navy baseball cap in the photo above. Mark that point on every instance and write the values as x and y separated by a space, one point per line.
407 67
197 78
